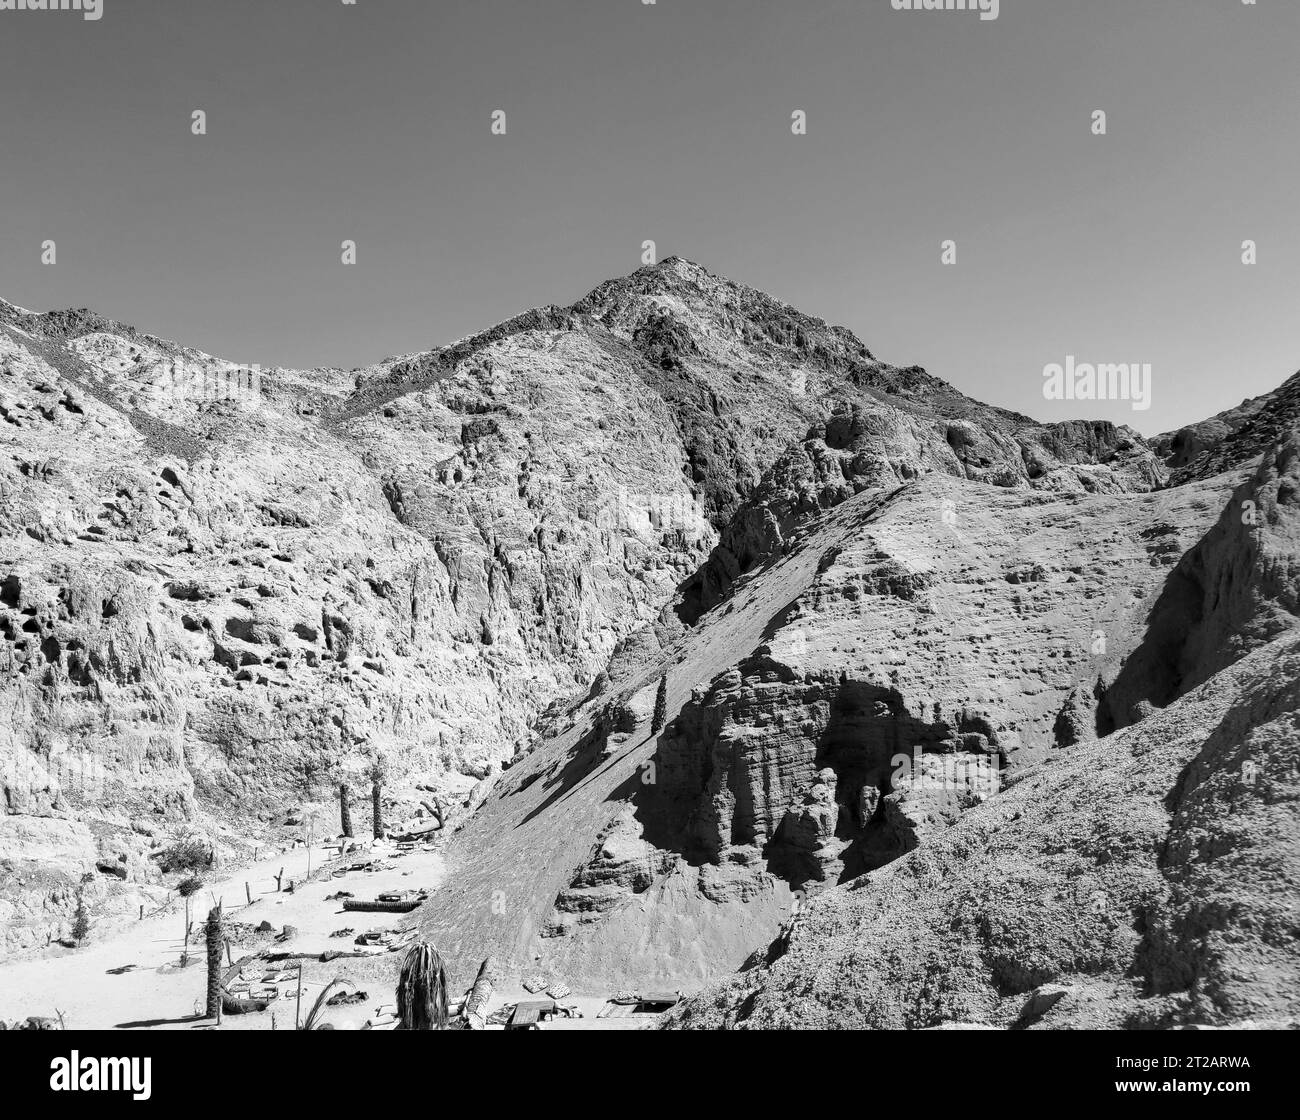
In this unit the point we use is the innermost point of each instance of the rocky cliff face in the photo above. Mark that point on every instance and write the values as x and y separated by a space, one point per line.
1140 881
1140 877
873 606
224 589
1233 436
889 671
921 602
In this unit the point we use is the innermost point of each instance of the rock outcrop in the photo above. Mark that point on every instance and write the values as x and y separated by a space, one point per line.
1233 437
1145 880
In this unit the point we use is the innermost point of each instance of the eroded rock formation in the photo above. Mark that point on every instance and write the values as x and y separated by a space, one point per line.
744 634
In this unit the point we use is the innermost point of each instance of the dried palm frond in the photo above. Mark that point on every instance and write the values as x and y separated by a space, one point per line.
309 1024
422 990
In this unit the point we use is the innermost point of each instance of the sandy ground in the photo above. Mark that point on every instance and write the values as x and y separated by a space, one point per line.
157 993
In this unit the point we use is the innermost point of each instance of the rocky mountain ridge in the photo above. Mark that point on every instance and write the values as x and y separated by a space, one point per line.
221 598
966 625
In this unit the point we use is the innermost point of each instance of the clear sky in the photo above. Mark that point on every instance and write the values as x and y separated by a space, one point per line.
626 121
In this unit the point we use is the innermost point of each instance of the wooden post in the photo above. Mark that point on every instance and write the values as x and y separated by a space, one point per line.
248 893
142 911
279 880
297 1009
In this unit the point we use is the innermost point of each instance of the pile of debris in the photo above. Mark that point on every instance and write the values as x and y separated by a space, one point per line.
33 1023
392 902
384 940
251 985
530 1014
623 1004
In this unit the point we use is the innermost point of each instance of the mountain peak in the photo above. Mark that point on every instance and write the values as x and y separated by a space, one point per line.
685 269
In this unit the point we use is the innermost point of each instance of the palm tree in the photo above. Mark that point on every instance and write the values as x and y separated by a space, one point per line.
345 810
188 887
377 772
422 990
214 962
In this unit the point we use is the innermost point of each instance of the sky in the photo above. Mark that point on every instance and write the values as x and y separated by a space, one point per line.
627 121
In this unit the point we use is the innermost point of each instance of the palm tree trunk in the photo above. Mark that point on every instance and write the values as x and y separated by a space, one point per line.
345 810
214 963
377 813
480 995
